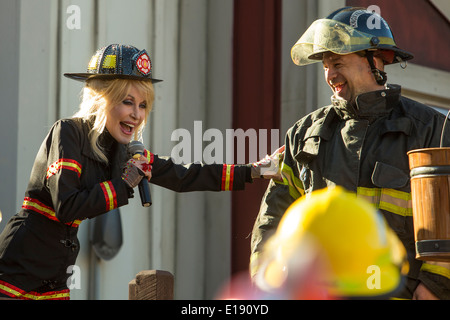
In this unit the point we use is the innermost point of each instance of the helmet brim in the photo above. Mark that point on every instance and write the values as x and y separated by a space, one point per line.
87 76
399 54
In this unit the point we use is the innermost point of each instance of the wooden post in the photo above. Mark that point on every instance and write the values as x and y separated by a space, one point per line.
151 285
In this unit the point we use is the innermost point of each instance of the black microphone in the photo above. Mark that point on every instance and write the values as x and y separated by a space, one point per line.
137 147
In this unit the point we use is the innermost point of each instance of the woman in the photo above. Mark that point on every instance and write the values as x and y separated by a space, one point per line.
82 170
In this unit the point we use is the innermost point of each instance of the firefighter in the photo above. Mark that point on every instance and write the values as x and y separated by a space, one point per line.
332 245
82 170
361 140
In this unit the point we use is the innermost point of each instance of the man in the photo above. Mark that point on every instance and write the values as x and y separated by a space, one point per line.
360 142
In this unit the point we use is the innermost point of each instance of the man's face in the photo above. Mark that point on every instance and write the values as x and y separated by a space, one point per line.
348 75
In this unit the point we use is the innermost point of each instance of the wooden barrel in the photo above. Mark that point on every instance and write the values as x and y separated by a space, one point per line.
430 191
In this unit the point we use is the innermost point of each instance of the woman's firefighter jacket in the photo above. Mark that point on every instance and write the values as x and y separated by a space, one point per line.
363 149
68 185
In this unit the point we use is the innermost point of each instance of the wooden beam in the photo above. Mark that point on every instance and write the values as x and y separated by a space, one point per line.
151 285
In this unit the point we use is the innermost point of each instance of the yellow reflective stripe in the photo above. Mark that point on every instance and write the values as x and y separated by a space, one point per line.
372 195
31 296
109 195
64 164
292 181
27 203
72 165
440 268
15 293
391 200
46 297
370 192
227 179
397 202
397 194
150 156
406 212
76 223
35 205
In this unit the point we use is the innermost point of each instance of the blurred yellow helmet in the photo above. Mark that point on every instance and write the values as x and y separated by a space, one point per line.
362 256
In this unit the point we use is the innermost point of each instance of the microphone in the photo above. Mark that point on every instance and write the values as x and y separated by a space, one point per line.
137 147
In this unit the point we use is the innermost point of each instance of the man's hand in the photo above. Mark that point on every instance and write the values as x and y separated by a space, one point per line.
423 293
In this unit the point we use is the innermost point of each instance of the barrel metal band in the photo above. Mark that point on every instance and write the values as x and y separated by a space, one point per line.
427 171
432 246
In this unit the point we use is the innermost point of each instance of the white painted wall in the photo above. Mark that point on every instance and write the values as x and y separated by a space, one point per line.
189 43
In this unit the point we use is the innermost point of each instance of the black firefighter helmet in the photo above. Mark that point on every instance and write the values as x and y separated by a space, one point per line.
117 61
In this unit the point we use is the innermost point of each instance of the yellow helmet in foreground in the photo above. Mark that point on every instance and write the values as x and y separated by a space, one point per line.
344 238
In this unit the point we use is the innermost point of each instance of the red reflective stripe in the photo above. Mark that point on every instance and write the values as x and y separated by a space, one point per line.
39 207
68 164
15 292
47 211
74 224
150 156
231 177
227 177
113 190
10 290
110 195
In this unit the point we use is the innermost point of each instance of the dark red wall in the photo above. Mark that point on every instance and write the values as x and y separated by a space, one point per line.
418 27
256 102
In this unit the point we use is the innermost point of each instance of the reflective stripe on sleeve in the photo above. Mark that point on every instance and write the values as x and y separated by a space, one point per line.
47 211
227 177
391 200
149 156
110 195
293 182
64 164
440 268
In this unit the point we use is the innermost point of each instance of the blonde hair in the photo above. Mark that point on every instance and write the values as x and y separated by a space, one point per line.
100 96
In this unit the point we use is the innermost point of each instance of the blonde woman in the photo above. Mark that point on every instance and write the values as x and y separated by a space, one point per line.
82 170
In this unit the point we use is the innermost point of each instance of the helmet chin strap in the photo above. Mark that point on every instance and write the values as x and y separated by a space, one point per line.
380 76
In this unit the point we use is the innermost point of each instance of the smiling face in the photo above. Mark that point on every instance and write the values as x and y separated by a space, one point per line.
349 75
124 118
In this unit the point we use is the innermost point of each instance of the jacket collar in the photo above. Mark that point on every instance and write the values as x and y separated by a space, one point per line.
370 106
106 141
